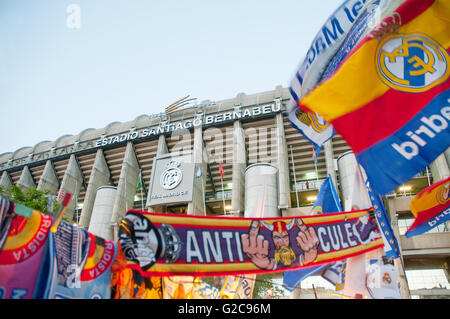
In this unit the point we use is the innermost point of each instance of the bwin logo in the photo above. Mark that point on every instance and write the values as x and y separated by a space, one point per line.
411 63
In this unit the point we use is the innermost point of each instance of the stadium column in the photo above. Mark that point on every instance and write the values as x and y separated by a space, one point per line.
238 170
100 176
329 160
126 189
26 179
283 164
71 183
439 168
162 149
447 155
6 180
197 206
49 180
398 262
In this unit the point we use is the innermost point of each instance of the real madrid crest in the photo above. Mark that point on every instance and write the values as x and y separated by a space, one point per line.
172 175
412 62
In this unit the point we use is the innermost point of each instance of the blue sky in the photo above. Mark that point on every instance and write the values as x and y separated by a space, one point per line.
133 57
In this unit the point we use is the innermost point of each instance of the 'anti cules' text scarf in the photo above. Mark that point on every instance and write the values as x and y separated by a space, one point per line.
168 244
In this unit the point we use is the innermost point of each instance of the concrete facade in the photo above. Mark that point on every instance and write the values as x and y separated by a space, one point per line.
26 179
72 183
100 176
126 189
5 180
239 165
49 179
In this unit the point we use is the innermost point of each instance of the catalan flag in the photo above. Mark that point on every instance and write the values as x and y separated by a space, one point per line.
390 97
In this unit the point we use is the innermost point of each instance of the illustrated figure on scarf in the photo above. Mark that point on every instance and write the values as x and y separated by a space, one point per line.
257 248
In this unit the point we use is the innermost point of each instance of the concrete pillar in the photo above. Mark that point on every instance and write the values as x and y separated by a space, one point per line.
446 269
5 180
329 160
238 170
197 206
100 176
49 180
347 169
162 145
161 149
102 211
398 262
261 190
447 155
26 179
126 189
284 201
71 183
439 168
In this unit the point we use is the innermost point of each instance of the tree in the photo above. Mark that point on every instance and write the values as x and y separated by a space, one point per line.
266 288
31 197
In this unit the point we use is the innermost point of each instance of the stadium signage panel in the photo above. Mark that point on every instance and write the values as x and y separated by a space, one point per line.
200 120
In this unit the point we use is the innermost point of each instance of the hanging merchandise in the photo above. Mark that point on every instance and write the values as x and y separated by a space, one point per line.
127 283
178 287
246 285
202 290
230 287
171 244
38 263
6 217
122 284
382 280
22 255
80 263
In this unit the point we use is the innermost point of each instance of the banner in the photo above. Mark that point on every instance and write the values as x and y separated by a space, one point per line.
177 287
171 244
22 255
430 208
382 280
327 202
391 248
390 94
6 218
80 267
202 290
356 268
340 33
230 287
130 284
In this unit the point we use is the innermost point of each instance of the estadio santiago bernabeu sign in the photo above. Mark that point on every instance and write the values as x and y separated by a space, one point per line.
166 127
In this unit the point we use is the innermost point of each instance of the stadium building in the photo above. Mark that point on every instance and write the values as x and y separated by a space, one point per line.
209 159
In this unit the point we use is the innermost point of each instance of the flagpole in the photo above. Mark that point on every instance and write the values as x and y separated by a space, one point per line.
76 201
317 175
142 195
204 195
223 196
295 178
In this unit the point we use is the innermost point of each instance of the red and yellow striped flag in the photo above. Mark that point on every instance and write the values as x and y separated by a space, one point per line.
390 98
